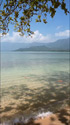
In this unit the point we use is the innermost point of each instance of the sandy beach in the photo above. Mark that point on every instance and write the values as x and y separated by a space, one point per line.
61 117
54 119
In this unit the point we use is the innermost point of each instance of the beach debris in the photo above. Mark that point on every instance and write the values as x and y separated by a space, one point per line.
60 81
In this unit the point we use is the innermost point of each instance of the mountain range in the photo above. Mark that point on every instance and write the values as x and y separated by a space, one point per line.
59 45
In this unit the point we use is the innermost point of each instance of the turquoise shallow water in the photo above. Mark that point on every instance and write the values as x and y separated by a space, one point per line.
33 81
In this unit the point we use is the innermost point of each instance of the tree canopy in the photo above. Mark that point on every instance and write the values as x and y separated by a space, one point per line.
20 12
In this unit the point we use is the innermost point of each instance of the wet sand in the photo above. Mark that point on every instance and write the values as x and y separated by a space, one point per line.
53 120
61 117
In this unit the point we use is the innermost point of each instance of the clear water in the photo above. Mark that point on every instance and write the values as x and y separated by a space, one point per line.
32 82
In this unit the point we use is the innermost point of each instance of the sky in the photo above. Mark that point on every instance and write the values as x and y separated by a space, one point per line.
56 28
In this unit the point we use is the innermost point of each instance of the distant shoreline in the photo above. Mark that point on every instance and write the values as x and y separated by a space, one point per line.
34 51
40 51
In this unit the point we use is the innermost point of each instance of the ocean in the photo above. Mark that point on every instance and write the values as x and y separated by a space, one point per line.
33 82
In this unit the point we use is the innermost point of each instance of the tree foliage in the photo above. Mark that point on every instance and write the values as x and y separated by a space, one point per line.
20 12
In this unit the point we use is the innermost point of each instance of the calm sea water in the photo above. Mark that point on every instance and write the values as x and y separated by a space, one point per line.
33 82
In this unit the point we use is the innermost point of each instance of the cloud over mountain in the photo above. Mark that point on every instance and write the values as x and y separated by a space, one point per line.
65 33
36 37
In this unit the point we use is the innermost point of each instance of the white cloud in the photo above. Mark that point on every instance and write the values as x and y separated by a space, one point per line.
59 27
65 33
36 37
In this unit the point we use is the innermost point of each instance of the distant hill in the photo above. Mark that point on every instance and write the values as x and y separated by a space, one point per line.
59 45
62 44
34 48
40 48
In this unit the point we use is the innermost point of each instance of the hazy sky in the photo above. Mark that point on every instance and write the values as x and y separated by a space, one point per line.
56 28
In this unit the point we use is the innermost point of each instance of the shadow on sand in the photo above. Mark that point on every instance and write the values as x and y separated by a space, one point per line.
55 94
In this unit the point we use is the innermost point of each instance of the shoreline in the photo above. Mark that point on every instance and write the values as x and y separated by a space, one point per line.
61 117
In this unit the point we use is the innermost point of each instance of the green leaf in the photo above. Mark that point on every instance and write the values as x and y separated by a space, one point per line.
16 14
44 20
39 16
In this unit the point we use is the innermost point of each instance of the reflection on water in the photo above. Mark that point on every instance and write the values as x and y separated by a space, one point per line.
32 82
